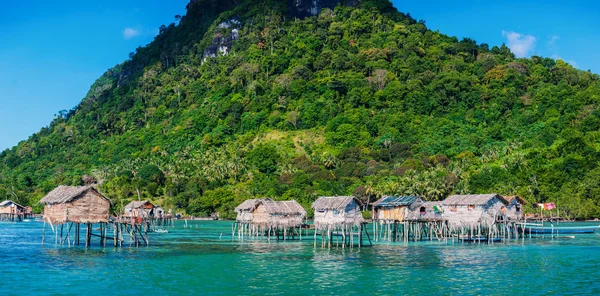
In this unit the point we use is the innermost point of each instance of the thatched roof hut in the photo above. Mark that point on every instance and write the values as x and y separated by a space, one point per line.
268 213
279 214
245 209
80 204
337 211
473 208
11 207
139 209
395 208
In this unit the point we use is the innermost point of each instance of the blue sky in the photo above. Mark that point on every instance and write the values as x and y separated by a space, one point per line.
52 51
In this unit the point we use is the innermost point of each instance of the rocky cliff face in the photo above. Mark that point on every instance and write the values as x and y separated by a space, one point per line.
227 32
306 8
224 35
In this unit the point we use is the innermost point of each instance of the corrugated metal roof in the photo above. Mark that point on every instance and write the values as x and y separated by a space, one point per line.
9 202
471 199
397 201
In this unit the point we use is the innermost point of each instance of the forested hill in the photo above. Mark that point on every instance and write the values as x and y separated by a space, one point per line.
242 99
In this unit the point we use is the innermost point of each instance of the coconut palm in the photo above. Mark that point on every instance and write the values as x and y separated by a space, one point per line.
329 161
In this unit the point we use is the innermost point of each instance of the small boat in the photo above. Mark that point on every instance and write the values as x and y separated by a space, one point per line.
26 220
551 229
161 231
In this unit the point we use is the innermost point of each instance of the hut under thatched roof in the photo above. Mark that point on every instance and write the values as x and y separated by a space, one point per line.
279 214
395 208
11 207
267 213
80 204
245 209
139 209
337 211
473 208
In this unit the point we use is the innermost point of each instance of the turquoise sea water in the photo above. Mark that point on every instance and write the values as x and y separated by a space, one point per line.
202 259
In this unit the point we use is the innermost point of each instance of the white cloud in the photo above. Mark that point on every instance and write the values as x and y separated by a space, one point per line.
519 44
129 33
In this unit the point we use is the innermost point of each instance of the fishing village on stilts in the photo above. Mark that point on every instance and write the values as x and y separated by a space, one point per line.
80 214
338 221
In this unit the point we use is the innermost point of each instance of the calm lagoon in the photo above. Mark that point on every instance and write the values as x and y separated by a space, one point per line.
202 259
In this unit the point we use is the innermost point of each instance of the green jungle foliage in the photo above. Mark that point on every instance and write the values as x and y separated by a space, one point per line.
357 100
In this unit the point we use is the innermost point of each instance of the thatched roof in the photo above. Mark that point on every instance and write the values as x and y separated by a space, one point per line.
65 194
249 205
137 204
289 207
471 199
510 199
7 203
397 201
326 203
279 214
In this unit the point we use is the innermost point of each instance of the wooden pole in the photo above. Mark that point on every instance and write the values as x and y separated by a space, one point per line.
43 232
87 235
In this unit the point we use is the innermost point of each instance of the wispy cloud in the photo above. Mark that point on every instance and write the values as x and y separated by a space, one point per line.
518 43
552 41
129 33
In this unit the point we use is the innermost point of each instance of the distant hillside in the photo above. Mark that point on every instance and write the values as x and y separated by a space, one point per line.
295 100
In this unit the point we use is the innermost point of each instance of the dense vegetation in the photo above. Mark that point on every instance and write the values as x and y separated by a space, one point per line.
357 100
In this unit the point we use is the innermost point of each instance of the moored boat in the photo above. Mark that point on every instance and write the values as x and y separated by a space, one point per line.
551 229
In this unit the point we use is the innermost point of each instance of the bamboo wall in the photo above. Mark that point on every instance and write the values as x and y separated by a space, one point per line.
260 215
392 214
244 217
8 210
90 208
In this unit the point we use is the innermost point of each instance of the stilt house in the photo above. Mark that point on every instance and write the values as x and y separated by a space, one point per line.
139 209
514 207
279 214
80 204
390 209
473 209
337 211
266 213
244 210
12 208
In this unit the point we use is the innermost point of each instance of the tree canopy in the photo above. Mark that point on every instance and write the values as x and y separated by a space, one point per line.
241 100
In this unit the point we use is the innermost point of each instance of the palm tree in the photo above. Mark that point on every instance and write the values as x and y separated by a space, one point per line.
369 192
329 161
